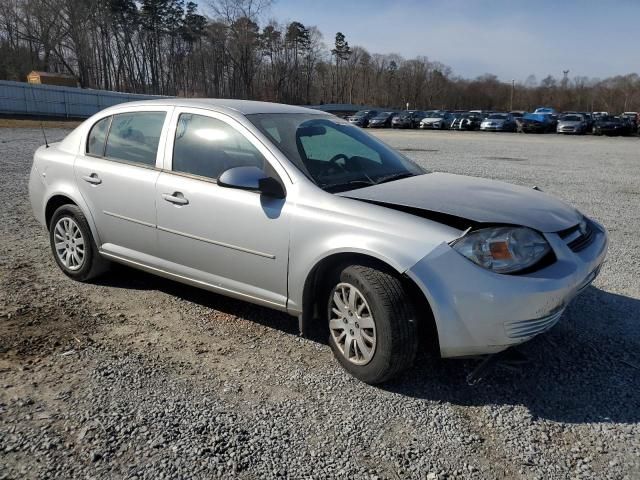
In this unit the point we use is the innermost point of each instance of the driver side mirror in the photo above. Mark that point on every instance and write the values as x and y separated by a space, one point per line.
253 179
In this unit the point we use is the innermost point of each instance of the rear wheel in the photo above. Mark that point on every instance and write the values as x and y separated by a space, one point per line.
372 325
72 244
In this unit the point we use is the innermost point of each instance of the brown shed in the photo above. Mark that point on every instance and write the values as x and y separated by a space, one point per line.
48 78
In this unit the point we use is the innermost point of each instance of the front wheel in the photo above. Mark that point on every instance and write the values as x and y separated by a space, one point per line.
372 324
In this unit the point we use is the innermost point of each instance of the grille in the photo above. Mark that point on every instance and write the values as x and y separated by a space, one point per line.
579 237
529 328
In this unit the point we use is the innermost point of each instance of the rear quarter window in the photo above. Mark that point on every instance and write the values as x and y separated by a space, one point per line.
97 137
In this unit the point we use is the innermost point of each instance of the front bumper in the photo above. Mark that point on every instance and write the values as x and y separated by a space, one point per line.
481 312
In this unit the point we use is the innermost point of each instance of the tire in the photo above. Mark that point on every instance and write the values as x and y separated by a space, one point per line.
391 314
79 244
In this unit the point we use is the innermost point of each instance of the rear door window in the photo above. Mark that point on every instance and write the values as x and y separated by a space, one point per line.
134 137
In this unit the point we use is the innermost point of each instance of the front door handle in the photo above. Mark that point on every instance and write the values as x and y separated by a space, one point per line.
94 179
176 198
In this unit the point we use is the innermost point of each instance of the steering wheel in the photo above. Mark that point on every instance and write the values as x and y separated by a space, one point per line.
334 160
334 163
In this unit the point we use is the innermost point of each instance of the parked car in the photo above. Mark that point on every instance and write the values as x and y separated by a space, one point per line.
588 118
382 120
467 121
611 126
571 123
632 118
546 110
408 119
536 123
498 122
436 121
362 117
300 211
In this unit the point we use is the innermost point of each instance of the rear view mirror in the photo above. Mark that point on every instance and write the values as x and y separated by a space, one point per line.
311 131
253 179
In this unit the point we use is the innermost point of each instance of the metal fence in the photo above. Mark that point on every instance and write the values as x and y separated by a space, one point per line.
17 98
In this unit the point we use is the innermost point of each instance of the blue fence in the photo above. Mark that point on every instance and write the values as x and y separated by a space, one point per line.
17 98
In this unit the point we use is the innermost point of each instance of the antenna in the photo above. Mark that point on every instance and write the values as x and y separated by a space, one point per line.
33 97
46 144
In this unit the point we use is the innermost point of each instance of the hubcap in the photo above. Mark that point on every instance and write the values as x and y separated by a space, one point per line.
351 324
69 243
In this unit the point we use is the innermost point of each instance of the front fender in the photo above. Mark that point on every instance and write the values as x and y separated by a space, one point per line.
337 225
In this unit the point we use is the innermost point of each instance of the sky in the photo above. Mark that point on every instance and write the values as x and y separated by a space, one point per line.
511 39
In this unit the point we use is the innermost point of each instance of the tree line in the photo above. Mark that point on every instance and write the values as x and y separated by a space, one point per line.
168 47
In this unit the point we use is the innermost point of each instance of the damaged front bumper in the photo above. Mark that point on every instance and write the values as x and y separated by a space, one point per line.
480 312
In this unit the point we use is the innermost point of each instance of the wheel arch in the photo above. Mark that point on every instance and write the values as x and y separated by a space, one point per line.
314 289
60 198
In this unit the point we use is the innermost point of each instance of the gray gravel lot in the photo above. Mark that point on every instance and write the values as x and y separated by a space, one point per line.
138 377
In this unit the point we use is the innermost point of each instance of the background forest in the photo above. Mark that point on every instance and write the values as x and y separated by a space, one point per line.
170 47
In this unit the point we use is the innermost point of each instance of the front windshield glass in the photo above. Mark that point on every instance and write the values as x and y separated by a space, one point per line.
571 118
361 113
497 116
335 155
384 115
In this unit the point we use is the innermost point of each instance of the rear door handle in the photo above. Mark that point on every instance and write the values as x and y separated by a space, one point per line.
94 179
176 198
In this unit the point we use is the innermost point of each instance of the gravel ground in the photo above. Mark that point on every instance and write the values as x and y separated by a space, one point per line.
138 377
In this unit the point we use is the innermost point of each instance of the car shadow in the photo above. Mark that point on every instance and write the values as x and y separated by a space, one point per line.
585 369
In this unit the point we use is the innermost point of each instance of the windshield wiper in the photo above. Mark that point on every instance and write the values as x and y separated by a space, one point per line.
393 176
348 185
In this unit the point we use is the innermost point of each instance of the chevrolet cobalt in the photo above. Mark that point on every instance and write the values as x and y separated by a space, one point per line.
300 211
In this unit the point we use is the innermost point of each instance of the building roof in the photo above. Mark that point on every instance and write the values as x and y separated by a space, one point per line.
51 74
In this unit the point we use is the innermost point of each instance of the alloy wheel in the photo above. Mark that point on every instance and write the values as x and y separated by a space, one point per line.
69 243
351 324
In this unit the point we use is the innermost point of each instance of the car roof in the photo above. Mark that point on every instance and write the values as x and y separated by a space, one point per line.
229 106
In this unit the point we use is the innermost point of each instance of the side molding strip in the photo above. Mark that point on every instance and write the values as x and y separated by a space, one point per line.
129 219
194 237
220 244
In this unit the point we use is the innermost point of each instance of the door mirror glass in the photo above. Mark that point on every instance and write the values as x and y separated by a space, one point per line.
253 179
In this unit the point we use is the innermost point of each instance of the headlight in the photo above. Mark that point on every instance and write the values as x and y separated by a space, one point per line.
503 249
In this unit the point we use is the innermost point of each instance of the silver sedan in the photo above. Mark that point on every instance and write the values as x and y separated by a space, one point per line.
300 211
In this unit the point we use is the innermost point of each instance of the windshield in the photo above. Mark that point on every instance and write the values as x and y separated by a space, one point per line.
335 155
571 118
497 116
361 113
384 115
436 115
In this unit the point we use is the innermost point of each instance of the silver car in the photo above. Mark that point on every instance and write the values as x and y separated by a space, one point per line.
300 211
498 122
572 123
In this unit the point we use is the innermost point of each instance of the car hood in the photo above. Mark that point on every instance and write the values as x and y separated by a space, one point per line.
569 123
432 119
478 200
